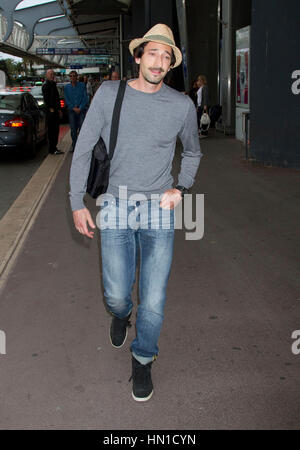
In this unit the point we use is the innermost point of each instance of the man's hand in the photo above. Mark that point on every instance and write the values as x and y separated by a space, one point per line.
82 218
170 199
51 109
77 110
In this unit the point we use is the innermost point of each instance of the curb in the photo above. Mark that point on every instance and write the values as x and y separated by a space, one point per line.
18 220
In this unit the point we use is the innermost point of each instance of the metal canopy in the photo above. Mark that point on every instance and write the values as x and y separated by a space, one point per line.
95 22
96 18
55 26
16 51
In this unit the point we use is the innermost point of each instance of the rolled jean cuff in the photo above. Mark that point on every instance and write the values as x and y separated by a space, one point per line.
143 359
121 316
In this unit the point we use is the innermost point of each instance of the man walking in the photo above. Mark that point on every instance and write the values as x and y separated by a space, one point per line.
77 102
152 116
53 111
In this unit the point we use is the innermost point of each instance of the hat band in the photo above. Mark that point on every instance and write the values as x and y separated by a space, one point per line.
158 37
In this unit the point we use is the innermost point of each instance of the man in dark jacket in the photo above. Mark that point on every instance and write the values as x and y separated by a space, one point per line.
51 99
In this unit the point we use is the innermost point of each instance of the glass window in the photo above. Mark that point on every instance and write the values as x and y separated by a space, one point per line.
31 102
36 91
25 103
10 102
28 3
60 89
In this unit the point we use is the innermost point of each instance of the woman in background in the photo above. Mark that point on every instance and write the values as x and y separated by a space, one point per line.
202 99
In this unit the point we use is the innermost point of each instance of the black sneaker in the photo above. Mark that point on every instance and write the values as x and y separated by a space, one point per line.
142 387
118 331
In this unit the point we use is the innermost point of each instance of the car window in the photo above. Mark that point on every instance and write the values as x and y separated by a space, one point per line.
35 102
60 91
25 103
10 102
31 102
36 91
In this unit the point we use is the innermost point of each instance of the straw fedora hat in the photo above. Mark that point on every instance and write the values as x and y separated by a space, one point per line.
159 33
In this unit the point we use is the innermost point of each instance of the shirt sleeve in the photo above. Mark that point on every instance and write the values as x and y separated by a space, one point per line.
68 98
191 154
46 95
88 137
84 98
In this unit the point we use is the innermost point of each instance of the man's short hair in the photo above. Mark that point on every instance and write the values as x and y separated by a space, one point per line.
73 71
114 72
139 51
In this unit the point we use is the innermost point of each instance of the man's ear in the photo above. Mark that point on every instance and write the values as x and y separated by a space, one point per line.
137 60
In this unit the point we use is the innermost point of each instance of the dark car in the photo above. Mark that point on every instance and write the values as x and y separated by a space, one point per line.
37 92
22 123
63 105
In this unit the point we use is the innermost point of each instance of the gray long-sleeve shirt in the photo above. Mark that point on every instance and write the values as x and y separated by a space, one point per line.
149 126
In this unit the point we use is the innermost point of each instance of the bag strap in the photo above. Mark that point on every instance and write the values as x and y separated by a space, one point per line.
116 119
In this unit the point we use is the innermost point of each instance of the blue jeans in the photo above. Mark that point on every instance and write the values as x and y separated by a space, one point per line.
150 239
76 120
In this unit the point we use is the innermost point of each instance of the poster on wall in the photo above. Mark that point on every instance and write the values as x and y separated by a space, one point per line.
242 77
242 66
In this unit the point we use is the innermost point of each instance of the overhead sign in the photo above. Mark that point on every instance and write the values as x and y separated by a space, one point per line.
87 61
71 51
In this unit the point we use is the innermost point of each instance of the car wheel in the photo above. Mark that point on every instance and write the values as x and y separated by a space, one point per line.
31 150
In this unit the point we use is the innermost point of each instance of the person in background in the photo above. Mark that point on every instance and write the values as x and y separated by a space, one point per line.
96 85
53 111
114 76
202 99
89 88
77 101
193 92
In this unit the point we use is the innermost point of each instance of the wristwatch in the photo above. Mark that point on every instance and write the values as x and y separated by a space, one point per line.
182 189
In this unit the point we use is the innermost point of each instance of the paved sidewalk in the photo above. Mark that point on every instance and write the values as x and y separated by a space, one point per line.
233 302
20 215
16 170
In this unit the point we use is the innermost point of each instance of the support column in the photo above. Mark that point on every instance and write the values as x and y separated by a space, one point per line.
226 69
181 15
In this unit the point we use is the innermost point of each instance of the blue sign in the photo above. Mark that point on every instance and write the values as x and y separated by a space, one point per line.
71 51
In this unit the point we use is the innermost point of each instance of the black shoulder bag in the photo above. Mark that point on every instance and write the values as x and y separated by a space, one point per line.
98 178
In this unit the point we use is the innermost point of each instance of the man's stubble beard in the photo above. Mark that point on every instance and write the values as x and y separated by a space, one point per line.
153 81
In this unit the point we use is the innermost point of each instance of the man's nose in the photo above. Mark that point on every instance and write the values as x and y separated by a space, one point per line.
159 61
